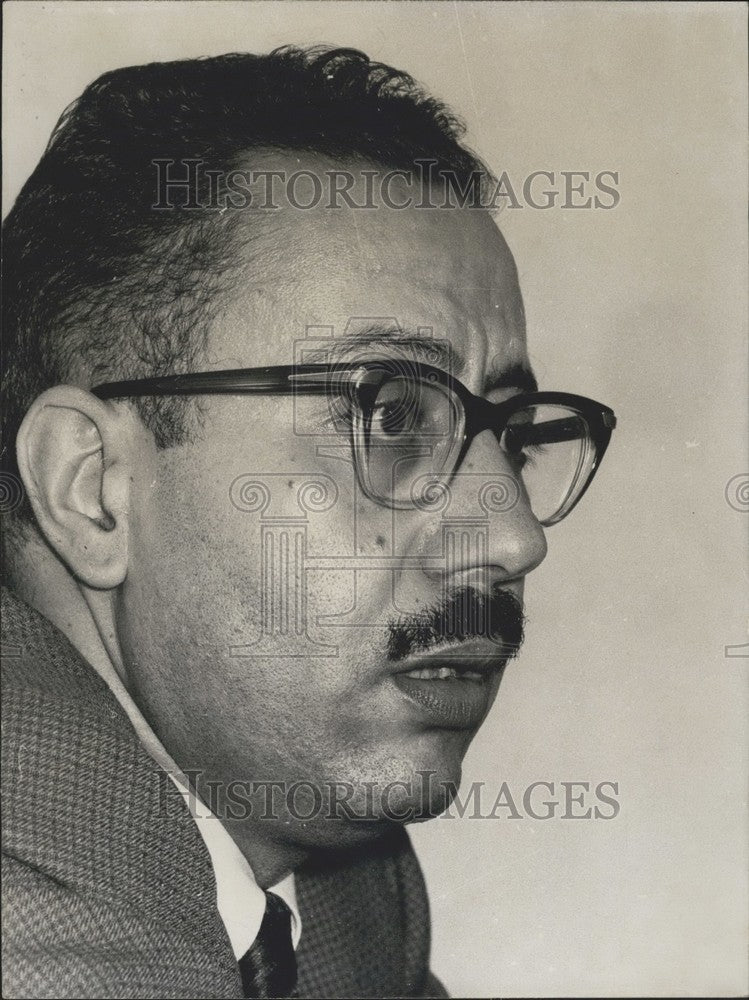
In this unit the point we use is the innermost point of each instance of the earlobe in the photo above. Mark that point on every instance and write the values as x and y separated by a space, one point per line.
72 455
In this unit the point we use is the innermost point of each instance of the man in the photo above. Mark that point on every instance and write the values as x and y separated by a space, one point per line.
286 470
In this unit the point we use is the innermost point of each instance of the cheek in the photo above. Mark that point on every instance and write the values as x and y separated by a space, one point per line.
187 545
220 561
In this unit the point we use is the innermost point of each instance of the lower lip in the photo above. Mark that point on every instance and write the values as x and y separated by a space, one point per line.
450 703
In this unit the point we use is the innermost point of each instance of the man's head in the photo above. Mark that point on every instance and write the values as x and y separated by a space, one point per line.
100 283
272 621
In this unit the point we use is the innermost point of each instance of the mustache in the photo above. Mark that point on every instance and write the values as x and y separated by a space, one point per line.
467 613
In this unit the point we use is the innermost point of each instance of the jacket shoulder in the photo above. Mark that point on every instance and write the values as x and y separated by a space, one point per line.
78 787
104 869
62 943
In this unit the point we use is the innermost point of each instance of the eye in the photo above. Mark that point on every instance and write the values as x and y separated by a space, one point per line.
391 419
401 407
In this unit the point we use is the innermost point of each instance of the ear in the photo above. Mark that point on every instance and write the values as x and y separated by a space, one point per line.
73 458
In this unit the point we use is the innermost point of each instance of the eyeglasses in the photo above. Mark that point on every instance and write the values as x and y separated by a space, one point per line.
411 425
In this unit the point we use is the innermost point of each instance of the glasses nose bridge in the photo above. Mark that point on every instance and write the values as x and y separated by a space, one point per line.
482 415
497 474
492 499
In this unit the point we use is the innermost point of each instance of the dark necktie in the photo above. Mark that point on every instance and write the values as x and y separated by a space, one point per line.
268 967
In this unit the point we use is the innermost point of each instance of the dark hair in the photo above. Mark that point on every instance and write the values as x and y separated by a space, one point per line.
98 285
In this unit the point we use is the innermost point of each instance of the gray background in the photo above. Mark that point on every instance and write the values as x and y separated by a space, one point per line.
624 676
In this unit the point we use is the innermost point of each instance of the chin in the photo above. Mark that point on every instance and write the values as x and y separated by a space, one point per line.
355 798
416 785
365 819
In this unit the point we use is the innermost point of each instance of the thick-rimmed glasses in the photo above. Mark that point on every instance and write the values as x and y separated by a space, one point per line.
411 425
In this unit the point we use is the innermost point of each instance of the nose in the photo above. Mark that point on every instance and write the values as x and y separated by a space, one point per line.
493 526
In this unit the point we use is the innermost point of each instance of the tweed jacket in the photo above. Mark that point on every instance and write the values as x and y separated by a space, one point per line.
107 895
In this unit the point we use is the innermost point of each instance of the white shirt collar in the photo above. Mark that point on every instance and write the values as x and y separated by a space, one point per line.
239 899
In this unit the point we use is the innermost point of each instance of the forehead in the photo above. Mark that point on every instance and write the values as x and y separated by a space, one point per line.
446 271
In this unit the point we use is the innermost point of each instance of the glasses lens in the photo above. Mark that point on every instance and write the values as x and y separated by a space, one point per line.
552 454
411 428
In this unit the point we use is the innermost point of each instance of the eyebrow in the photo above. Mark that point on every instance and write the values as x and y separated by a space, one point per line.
441 353
516 376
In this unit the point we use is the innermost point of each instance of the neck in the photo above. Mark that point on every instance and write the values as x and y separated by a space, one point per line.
269 859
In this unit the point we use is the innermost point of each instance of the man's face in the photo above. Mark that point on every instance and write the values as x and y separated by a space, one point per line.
262 620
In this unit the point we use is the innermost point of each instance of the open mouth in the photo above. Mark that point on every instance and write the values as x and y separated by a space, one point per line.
443 673
453 687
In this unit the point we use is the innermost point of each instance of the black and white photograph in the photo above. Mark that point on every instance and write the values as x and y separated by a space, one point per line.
374 494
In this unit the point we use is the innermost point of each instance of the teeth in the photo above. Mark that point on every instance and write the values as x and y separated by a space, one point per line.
433 673
442 674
